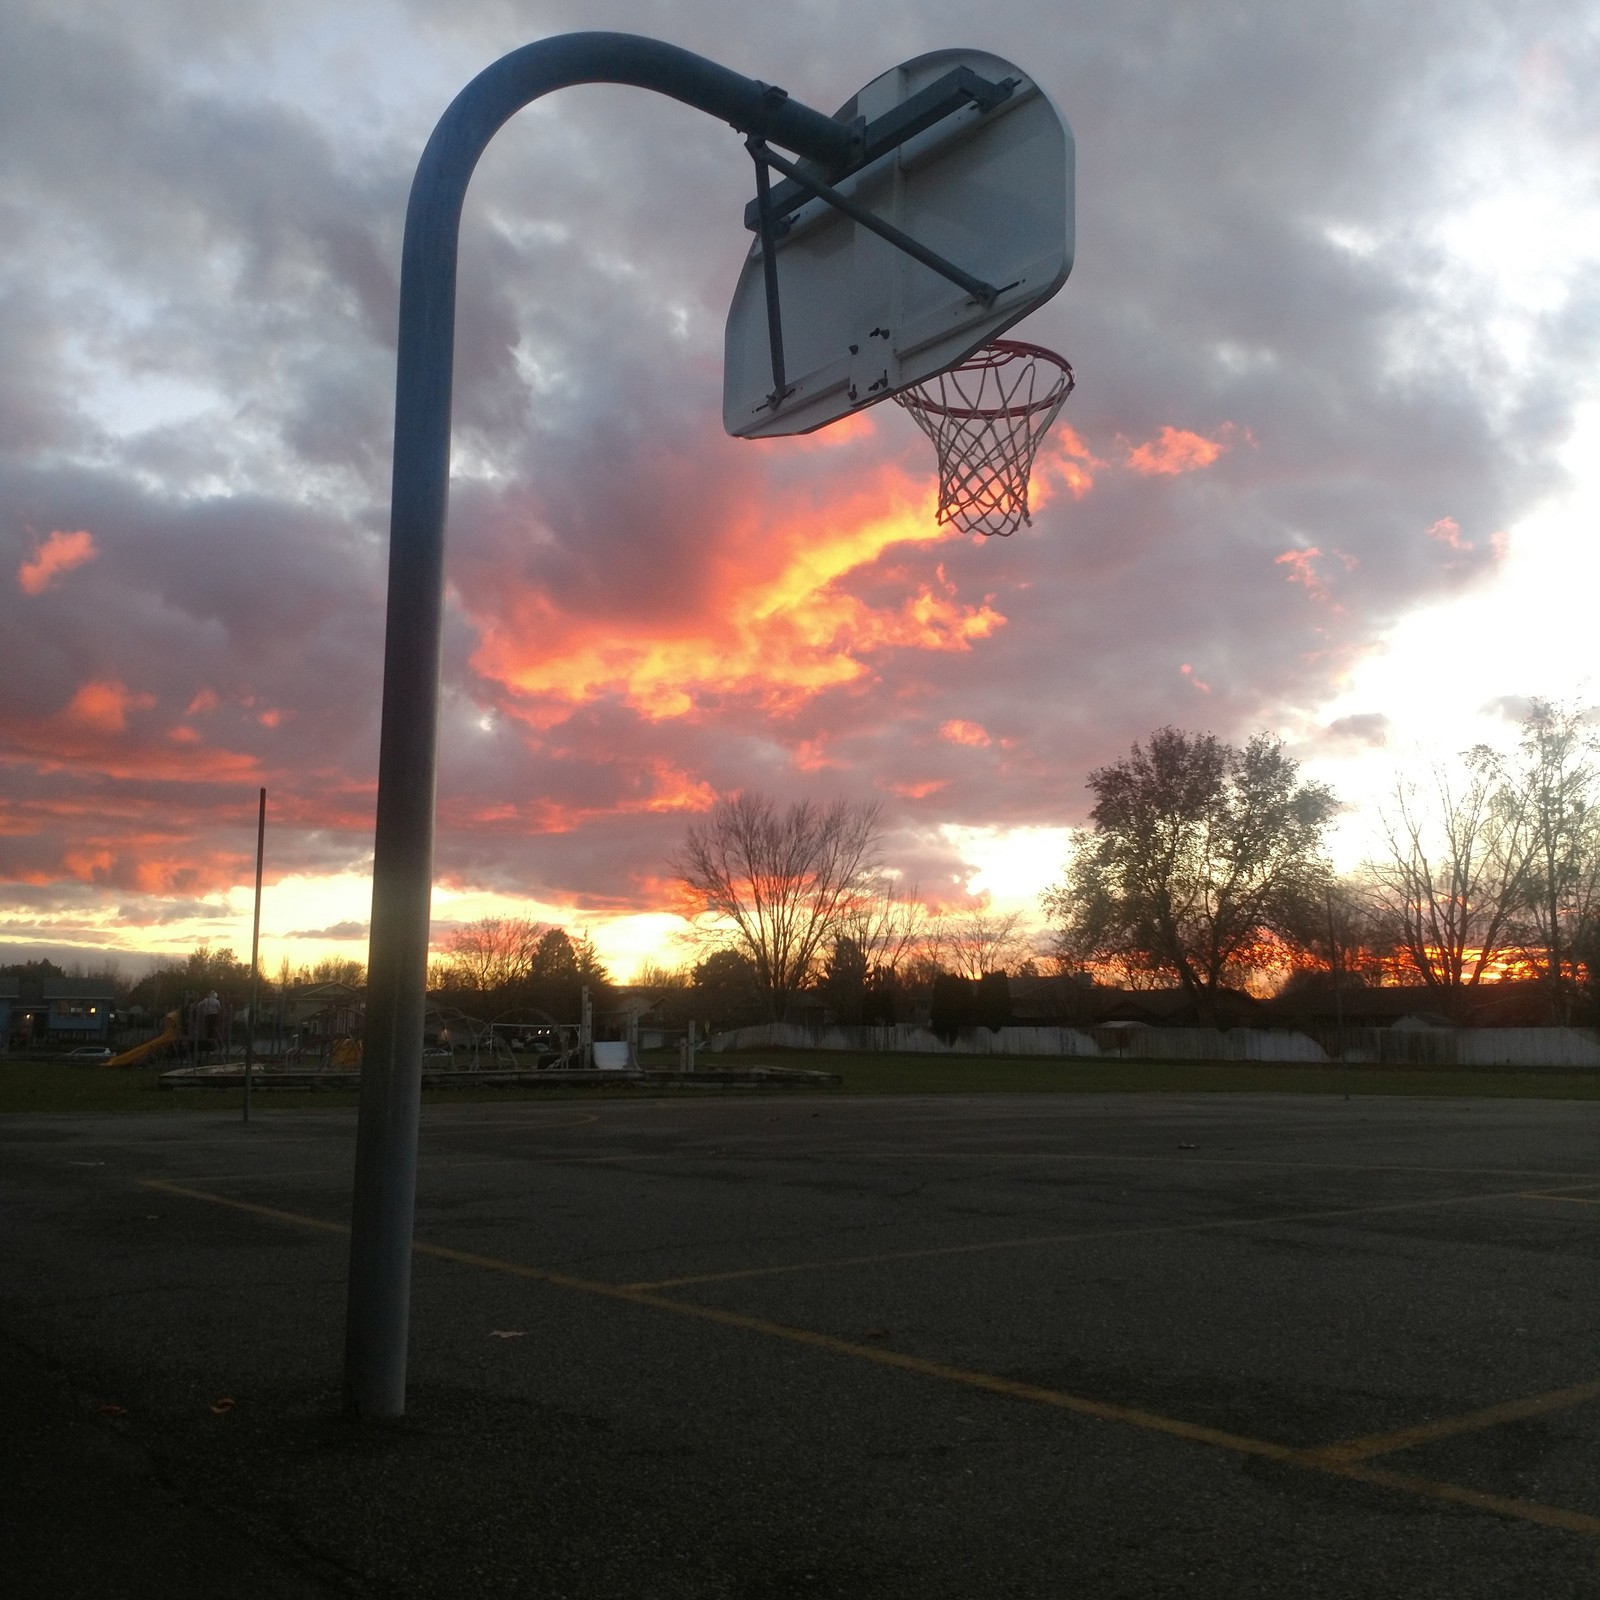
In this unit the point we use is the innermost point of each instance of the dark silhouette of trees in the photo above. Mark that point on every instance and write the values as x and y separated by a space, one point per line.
1200 855
1449 886
980 941
956 1003
505 964
779 883
726 991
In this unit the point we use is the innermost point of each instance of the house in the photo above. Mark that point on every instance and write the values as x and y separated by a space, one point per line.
76 1010
10 994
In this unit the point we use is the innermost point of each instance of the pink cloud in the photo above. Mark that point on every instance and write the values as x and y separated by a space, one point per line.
959 732
60 553
1173 452
1448 532
1302 570
104 706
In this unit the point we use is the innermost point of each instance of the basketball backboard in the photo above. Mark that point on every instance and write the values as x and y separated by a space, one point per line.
984 180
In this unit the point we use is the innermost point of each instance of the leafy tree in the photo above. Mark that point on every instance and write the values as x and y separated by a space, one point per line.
951 1005
843 985
727 990
561 969
1200 854
778 882
991 1001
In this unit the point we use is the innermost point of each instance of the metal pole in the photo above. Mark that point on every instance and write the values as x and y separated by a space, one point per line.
255 950
402 866
1338 993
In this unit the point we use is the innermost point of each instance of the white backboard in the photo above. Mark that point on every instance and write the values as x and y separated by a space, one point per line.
989 191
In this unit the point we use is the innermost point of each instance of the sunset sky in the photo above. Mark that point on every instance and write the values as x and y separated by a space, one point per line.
1332 468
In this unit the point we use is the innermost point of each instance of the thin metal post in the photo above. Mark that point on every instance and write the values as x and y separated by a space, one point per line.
255 950
769 274
1336 963
402 866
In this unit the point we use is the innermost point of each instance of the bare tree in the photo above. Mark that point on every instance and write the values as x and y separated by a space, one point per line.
888 928
1454 873
1559 787
1202 856
334 969
487 958
657 975
979 941
778 883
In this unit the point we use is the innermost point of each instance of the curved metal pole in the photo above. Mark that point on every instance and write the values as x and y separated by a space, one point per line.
402 868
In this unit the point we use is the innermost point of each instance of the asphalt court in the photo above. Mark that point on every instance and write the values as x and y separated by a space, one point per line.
804 1345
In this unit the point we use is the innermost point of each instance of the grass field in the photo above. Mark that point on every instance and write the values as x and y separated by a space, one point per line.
59 1087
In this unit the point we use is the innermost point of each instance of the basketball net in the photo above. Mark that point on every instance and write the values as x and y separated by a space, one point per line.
986 417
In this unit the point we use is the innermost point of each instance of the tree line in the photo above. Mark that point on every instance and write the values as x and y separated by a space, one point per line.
1204 867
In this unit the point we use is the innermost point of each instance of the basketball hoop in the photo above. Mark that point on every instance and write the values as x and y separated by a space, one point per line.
986 417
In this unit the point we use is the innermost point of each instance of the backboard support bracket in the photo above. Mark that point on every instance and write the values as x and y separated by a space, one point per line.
812 187
953 92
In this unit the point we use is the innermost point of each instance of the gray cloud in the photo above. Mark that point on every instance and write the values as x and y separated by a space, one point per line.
196 355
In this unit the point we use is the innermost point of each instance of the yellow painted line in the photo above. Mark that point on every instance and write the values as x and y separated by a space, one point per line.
1453 1493
270 1212
1084 1236
1325 1460
1538 1405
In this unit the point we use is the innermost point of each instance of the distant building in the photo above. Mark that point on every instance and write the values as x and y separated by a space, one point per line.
10 993
54 1011
78 1010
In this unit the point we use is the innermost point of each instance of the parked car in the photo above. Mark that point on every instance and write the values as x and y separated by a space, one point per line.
90 1052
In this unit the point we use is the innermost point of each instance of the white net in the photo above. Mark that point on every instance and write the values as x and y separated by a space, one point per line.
986 418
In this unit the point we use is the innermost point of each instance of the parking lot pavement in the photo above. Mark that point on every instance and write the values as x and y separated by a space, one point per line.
941 1346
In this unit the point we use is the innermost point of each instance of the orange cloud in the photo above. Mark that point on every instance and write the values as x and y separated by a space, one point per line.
1064 460
1173 452
1302 570
917 791
61 552
88 865
104 706
811 755
958 732
658 787
775 625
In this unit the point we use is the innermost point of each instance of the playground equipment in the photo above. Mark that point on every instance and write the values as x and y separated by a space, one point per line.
142 1052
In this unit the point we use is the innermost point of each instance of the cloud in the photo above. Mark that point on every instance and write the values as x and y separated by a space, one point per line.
1361 730
104 706
335 930
60 553
1175 451
1289 389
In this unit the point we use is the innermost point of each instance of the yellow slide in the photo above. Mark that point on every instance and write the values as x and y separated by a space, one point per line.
132 1058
